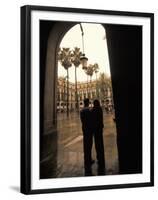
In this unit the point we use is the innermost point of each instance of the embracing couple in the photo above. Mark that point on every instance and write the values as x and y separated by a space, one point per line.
92 127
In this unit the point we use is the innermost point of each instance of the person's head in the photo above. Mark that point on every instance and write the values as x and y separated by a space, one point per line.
96 103
86 102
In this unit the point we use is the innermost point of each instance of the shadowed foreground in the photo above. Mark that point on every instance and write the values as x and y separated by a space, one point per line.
70 146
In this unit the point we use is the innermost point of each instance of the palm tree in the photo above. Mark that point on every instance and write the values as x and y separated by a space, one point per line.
104 83
96 70
76 55
89 71
64 57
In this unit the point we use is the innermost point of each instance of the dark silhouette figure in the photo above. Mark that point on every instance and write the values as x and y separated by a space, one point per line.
97 129
86 119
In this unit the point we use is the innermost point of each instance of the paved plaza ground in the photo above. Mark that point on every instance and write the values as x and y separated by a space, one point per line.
70 146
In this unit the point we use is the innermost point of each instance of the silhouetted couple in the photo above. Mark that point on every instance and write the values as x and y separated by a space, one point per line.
92 127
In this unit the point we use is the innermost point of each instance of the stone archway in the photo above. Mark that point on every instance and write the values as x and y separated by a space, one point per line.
124 44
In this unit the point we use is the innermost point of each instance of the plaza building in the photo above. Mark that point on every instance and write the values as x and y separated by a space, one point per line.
68 96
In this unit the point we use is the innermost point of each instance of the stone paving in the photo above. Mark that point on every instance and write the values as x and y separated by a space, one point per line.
70 146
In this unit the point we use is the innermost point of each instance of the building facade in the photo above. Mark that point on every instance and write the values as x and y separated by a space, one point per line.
75 100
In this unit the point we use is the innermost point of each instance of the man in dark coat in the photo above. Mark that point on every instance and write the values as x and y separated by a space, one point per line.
97 128
85 116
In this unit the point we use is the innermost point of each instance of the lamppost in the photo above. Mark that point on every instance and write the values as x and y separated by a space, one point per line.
83 58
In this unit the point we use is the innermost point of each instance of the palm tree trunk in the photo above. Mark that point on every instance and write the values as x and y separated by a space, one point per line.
67 93
90 88
64 95
97 92
76 92
87 86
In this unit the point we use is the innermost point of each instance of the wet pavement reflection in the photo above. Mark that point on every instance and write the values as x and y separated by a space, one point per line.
70 146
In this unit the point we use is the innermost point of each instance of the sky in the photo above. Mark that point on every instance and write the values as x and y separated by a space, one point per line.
95 46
